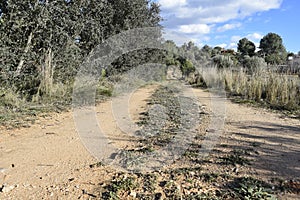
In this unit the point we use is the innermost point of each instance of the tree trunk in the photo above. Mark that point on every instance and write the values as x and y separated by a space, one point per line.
47 73
21 63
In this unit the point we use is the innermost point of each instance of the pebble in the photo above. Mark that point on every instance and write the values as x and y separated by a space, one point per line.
192 173
133 194
2 170
6 189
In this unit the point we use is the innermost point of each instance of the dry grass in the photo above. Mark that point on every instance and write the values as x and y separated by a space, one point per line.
276 90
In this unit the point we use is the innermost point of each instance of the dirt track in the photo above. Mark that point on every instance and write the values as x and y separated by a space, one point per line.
48 160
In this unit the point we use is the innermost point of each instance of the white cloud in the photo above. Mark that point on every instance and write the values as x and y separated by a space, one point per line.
257 45
195 28
254 36
199 18
236 38
227 27
171 3
180 12
223 45
232 45
205 38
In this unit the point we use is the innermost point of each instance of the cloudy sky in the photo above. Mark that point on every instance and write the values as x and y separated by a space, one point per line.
224 22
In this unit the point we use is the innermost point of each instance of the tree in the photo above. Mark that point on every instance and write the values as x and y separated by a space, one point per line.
216 51
44 42
246 47
172 52
3 6
272 49
207 49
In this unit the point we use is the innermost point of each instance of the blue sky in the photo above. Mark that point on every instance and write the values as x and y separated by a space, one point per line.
224 22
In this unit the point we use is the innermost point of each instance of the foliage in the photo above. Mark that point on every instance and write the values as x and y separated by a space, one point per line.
187 67
207 49
250 188
272 49
44 42
223 61
246 47
216 51
254 64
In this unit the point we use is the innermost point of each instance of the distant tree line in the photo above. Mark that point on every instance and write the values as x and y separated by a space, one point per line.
271 53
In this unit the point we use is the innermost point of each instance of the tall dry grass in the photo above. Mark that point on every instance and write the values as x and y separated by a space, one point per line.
276 90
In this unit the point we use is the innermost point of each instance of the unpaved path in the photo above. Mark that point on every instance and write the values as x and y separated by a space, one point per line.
274 137
48 160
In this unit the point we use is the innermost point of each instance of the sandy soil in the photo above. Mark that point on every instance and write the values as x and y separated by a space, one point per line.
48 160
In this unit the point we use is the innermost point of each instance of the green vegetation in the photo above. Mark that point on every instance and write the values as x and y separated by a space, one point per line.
272 49
246 75
250 188
43 43
246 47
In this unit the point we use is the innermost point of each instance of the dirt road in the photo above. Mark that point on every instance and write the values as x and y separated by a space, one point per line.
48 160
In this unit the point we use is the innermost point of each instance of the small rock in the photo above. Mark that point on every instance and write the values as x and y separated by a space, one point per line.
71 179
216 184
2 170
6 189
192 173
236 170
133 194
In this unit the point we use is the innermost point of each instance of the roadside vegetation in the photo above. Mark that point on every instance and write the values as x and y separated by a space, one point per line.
42 46
43 43
248 76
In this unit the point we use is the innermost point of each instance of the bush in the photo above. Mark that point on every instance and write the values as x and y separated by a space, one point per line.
253 64
222 61
187 67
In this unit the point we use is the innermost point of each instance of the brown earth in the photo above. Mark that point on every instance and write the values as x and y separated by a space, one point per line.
49 161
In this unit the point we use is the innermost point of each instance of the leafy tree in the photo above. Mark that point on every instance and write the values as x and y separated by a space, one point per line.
272 49
246 47
172 52
189 50
216 51
3 6
43 42
207 49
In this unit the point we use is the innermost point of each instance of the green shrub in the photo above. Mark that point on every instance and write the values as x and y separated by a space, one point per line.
187 67
223 61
